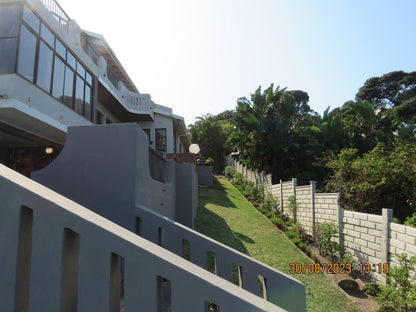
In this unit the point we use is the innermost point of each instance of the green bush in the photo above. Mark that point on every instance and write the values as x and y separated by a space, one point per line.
209 161
292 205
327 232
270 203
371 289
411 221
230 172
400 292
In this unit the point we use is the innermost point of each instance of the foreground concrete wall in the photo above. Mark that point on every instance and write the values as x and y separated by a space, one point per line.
106 168
56 255
279 289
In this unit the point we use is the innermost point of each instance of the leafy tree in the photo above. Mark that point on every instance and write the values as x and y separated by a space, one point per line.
212 134
389 90
383 177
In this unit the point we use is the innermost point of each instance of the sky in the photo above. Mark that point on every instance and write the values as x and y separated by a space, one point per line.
200 56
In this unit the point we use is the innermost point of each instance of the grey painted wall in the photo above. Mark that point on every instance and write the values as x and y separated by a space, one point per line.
205 175
59 256
106 168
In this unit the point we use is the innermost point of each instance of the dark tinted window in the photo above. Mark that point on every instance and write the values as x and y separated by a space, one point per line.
161 140
79 96
47 35
9 20
27 51
7 55
58 79
69 84
45 67
31 19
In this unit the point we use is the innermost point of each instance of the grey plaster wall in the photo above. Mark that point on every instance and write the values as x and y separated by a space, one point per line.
186 194
60 256
205 175
106 168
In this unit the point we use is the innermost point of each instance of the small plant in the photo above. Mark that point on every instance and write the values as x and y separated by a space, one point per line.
292 205
371 289
411 221
209 161
294 237
400 292
230 172
315 258
270 204
295 227
327 232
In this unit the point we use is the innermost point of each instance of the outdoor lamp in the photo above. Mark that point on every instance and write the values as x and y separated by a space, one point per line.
49 150
194 149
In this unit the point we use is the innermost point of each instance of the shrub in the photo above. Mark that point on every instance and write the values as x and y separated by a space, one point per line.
411 221
270 203
292 205
327 232
209 161
371 289
229 172
400 292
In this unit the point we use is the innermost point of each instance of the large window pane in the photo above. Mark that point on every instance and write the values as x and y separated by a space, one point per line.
27 52
9 20
47 35
81 70
79 96
30 18
58 79
45 67
88 78
60 49
69 86
71 59
87 103
7 55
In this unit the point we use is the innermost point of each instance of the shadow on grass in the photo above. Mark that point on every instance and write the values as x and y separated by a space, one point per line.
217 195
214 226
244 238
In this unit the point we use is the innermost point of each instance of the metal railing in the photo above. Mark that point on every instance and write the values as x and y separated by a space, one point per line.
89 49
57 255
57 12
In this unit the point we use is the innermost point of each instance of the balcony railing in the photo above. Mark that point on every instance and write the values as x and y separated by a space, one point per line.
57 12
59 256
112 77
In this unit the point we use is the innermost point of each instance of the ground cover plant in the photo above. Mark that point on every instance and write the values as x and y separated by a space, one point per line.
226 216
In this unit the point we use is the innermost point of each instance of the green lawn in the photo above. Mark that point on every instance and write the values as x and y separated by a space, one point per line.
226 216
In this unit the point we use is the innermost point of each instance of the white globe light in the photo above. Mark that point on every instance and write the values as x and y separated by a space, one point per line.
194 149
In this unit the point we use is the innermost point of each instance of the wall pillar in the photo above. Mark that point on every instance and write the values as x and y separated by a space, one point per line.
313 191
340 220
386 218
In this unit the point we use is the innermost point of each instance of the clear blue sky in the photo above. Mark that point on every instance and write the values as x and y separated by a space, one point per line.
200 56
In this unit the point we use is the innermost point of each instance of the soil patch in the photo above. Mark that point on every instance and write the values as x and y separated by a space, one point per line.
365 302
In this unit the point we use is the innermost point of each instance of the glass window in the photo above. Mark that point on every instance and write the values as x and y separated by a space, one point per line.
60 49
88 77
81 70
9 20
47 35
44 67
58 78
31 19
69 86
161 140
87 104
7 55
79 96
27 53
71 59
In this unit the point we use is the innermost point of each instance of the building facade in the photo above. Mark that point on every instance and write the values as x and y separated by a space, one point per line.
53 75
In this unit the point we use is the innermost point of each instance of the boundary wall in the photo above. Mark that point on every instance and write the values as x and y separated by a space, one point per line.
369 238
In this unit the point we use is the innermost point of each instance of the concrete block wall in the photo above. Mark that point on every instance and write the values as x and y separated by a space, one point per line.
368 238
362 237
303 212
